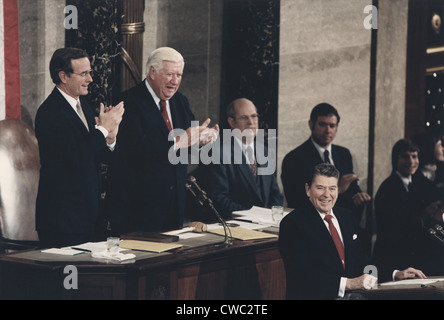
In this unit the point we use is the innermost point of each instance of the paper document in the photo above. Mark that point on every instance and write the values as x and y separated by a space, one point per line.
63 251
148 245
244 234
256 215
411 282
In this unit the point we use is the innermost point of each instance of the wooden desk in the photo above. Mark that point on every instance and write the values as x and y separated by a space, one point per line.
245 270
432 291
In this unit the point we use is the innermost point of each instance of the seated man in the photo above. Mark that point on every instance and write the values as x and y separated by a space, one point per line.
297 164
406 204
238 185
319 247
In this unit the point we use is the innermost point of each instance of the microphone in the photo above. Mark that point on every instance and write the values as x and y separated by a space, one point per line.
204 200
433 233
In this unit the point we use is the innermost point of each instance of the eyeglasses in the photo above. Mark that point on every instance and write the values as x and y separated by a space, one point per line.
253 117
84 74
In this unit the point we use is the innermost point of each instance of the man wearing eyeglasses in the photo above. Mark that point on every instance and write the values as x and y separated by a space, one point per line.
72 143
237 186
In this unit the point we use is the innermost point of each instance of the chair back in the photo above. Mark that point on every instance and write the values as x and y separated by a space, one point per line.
19 178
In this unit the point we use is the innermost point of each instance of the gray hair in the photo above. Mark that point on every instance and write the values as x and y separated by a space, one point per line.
162 54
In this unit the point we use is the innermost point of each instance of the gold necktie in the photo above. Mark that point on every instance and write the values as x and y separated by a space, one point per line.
82 115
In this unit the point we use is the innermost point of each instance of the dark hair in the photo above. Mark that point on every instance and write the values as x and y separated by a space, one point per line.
323 110
61 61
401 146
324 169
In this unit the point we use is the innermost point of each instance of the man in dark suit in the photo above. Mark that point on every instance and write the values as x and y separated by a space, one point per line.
238 185
323 261
297 164
406 205
71 143
146 189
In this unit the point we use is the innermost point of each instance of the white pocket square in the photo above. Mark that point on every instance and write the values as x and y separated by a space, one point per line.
355 236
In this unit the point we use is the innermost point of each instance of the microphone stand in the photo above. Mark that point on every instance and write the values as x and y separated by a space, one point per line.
203 200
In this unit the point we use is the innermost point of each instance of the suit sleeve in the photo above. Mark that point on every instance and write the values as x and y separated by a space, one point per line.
62 145
304 278
218 187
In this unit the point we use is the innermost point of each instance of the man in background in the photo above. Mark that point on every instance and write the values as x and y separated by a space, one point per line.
239 186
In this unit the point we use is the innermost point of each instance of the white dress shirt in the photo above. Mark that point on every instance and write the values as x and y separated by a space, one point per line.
73 103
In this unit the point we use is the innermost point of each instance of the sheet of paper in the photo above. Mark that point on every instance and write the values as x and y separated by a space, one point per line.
411 282
244 234
91 246
63 251
257 215
148 245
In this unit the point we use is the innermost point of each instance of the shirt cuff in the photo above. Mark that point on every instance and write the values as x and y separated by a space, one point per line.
342 284
105 134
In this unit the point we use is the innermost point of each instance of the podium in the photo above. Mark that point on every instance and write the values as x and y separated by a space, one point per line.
203 269
428 291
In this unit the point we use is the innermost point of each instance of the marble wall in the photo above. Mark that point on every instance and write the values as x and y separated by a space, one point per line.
390 83
325 57
41 32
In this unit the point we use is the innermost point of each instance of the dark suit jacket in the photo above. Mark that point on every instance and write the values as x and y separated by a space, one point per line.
145 191
297 168
312 264
69 186
402 240
233 187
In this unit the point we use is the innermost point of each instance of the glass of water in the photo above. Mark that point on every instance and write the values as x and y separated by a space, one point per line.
112 245
277 213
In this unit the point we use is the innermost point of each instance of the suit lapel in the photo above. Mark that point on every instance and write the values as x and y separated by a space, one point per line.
325 237
313 153
70 114
150 109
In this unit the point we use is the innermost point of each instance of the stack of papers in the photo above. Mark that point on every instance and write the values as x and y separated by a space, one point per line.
148 245
411 282
244 234
257 215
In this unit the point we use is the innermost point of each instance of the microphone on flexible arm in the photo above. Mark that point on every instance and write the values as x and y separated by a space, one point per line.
436 235
204 200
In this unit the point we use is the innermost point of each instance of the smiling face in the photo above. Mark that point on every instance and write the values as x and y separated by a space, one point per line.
166 81
73 83
408 163
323 193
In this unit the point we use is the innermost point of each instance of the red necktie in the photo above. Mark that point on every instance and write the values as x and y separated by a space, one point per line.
164 112
336 238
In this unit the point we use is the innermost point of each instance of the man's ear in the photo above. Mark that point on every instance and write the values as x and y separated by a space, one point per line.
63 76
307 190
230 121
